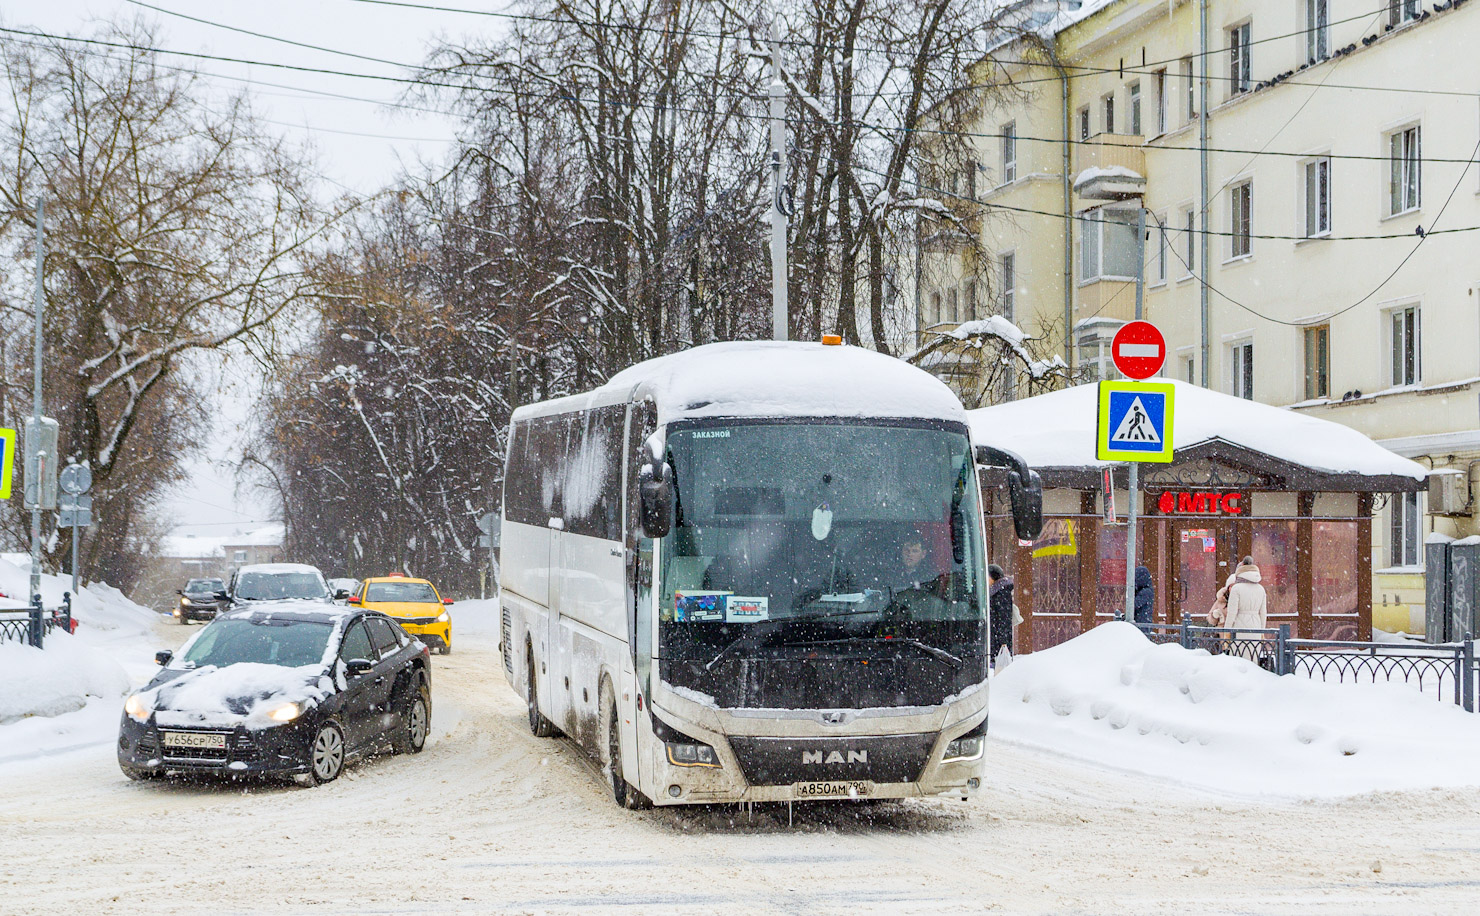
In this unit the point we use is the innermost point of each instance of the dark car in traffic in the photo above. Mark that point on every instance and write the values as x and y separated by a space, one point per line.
201 599
280 689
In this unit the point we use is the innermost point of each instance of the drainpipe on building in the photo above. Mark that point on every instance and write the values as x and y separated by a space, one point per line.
1205 332
1068 182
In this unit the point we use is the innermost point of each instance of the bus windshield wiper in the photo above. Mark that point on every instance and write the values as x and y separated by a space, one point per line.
930 650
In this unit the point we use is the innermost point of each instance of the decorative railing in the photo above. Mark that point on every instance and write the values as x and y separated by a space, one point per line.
31 625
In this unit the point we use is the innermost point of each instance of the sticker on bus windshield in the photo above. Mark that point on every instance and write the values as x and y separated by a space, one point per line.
699 606
746 610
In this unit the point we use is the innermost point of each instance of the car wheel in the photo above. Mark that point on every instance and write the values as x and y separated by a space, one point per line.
539 726
183 620
623 792
444 650
326 754
416 721
137 774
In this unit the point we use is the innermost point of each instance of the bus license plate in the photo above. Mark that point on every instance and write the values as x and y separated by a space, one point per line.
848 788
193 739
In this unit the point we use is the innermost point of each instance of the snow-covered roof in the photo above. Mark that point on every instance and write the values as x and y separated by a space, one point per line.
212 547
781 378
1057 430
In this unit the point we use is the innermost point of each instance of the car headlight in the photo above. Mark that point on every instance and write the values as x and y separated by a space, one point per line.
286 712
691 755
443 617
964 749
137 708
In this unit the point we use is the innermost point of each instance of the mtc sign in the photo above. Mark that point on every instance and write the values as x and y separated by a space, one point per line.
1191 502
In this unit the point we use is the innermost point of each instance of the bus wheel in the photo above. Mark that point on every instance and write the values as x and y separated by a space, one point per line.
539 726
624 793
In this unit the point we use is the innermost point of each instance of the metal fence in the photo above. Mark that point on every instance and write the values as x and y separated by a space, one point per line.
1445 671
31 625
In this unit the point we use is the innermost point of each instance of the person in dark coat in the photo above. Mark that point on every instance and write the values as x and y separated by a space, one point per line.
1145 595
999 603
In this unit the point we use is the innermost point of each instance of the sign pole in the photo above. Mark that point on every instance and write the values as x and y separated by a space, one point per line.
779 309
41 459
1133 486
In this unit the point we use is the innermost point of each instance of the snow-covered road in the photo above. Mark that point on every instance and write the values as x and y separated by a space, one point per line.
490 818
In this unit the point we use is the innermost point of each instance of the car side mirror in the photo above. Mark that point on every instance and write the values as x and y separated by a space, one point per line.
1024 490
447 601
179 591
163 657
655 494
342 594
358 667
222 596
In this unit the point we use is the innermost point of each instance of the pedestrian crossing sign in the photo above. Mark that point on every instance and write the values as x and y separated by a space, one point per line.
7 461
1135 422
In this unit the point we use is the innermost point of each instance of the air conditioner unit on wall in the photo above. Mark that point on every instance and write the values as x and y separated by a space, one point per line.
1449 492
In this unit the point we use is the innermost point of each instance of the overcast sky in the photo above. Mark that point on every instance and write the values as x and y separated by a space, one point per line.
360 144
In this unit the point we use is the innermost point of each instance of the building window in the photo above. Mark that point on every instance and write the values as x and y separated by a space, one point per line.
1107 105
1318 362
971 170
1189 370
1317 194
1404 525
1405 161
1094 350
970 300
1134 91
1401 11
1107 247
1159 78
1240 202
1317 30
1406 336
933 317
239 556
953 305
1009 286
1159 237
1189 80
1240 73
1009 152
1241 370
1189 220
1084 123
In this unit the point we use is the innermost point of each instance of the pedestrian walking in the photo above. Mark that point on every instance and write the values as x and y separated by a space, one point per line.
1145 596
1248 605
999 603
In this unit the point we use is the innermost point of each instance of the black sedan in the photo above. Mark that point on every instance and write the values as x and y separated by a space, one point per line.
200 599
280 689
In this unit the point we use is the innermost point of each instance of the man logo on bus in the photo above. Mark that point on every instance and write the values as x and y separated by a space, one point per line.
834 757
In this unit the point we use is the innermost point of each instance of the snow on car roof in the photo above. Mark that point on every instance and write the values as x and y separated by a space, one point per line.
776 379
1058 430
280 568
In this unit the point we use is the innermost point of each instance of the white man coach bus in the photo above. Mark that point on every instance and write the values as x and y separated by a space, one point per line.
702 577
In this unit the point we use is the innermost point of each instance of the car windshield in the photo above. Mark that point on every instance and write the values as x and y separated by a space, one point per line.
262 586
400 591
796 533
205 585
265 640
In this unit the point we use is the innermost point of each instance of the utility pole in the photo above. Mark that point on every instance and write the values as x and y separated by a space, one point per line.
1133 485
779 206
41 459
1204 303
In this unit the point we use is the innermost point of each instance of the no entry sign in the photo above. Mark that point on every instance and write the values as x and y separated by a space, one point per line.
1138 350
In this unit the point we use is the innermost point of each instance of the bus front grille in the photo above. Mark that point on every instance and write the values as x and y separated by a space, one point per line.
880 759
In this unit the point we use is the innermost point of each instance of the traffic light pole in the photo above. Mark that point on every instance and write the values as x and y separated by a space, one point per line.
41 458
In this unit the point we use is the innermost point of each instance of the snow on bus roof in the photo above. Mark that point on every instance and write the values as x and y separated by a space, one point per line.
1057 430
780 378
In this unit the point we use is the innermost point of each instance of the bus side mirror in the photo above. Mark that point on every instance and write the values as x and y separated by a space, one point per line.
1024 490
655 494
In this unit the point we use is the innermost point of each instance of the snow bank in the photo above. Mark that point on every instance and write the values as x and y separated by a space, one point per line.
56 680
1223 724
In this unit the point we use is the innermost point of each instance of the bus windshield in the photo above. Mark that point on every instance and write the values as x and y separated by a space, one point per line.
847 538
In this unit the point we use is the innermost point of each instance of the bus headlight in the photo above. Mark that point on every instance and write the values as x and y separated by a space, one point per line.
691 755
964 749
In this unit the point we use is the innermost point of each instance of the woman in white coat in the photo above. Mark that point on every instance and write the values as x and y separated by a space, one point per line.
1248 605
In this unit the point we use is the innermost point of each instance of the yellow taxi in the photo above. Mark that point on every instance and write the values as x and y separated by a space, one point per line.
415 605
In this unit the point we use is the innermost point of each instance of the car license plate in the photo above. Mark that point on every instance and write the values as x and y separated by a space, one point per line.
192 739
843 788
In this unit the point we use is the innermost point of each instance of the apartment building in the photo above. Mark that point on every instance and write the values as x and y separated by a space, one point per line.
1342 278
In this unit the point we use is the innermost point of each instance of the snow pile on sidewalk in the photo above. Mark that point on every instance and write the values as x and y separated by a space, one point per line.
477 617
1222 723
112 649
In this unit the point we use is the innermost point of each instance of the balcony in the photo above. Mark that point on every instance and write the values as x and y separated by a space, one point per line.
1110 167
